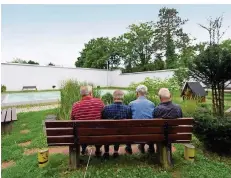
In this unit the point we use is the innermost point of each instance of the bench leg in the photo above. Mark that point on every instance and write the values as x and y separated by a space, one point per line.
165 155
74 154
6 128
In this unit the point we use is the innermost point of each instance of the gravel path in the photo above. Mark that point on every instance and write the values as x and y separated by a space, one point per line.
37 108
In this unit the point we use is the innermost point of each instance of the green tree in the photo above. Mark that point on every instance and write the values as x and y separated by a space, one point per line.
32 62
51 64
169 35
97 53
138 46
182 76
18 60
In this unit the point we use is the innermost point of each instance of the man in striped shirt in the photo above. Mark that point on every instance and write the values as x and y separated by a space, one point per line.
88 108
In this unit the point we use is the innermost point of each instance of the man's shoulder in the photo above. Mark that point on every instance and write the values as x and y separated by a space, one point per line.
97 100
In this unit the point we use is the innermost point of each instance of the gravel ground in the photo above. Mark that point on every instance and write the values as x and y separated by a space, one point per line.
37 108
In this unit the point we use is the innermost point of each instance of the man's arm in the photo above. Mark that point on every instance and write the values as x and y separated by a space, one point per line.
155 112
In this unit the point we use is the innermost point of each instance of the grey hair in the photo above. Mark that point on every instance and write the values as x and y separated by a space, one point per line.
142 89
85 90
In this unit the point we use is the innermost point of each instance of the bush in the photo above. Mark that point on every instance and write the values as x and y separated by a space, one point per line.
53 86
3 88
129 97
214 133
155 84
107 98
69 95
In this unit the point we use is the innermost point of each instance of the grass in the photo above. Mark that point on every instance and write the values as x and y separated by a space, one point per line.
206 165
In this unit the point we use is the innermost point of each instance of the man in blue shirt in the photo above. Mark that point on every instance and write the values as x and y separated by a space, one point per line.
141 108
117 110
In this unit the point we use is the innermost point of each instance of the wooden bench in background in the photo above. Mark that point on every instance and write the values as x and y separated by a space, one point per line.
8 116
161 131
29 87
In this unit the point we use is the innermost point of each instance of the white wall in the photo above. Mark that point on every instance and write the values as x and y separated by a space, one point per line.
15 76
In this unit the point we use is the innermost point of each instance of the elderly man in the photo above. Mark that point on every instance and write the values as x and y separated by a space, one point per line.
88 108
141 108
117 110
166 109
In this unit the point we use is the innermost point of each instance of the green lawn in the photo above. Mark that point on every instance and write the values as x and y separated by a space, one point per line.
206 165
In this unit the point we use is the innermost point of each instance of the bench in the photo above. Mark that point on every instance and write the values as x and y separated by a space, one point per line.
29 87
91 132
7 117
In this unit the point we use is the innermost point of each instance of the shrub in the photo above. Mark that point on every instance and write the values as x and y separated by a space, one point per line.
96 93
155 84
214 133
130 96
3 88
107 98
53 86
69 95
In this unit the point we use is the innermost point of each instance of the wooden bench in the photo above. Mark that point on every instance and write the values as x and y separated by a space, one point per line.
8 116
161 131
29 87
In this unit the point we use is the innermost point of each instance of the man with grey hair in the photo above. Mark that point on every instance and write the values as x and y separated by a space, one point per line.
117 110
88 108
141 108
166 109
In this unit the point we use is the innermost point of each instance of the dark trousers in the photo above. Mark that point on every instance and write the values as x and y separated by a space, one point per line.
116 148
97 151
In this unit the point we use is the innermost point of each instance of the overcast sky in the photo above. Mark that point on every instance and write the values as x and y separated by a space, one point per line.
57 33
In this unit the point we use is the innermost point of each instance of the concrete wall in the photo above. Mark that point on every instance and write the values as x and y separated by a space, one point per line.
15 76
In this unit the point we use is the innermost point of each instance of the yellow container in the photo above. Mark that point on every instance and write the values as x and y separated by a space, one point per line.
189 152
43 157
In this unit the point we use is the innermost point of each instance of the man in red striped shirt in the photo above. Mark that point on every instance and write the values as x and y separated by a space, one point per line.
88 108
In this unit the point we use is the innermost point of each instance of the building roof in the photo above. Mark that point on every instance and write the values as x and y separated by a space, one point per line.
196 88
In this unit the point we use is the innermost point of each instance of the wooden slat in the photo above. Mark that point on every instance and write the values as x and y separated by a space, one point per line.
131 138
116 131
59 131
119 123
3 116
8 115
131 131
14 114
117 139
60 139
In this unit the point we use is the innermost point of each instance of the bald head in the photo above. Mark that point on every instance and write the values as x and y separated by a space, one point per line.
164 95
85 90
118 95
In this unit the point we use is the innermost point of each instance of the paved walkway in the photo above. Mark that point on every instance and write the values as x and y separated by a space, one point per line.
36 108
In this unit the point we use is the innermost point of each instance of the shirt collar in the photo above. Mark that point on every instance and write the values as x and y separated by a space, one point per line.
118 102
141 97
87 98
166 103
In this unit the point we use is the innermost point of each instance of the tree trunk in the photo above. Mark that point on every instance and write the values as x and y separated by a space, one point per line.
213 100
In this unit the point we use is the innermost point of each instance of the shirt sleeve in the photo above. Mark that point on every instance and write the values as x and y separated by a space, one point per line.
72 112
180 113
155 113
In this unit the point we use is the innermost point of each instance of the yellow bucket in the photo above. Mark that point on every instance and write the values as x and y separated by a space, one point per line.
43 157
189 152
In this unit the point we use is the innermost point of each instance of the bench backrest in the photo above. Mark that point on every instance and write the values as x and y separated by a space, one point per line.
118 131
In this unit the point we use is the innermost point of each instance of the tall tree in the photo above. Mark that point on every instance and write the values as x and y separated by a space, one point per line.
99 52
169 35
213 65
139 46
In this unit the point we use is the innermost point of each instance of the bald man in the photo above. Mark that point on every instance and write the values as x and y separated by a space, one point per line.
117 111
